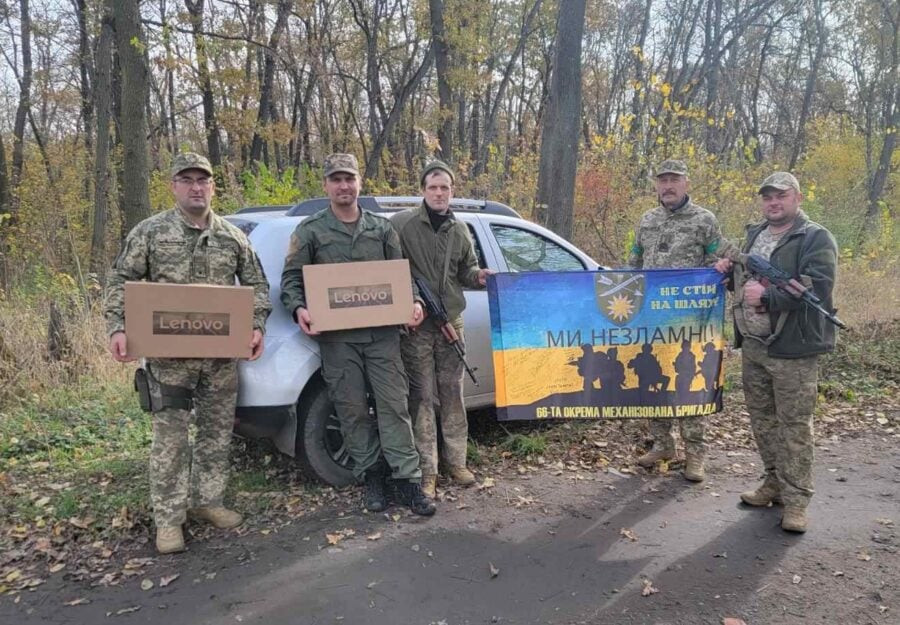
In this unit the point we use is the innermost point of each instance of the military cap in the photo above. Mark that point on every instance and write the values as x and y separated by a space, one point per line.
190 160
436 166
780 180
336 163
671 166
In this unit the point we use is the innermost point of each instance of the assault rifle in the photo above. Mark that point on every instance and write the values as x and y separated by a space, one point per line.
781 280
435 308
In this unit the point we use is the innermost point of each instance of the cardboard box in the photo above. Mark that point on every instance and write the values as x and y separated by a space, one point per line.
340 296
188 320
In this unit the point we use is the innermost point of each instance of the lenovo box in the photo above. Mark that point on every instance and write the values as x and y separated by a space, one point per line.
188 320
340 296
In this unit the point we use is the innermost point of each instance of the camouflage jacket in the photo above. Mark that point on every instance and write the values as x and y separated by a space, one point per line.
445 259
166 248
322 238
688 236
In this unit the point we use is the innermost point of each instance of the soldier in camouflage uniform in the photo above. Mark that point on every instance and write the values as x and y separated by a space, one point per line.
677 233
440 252
357 358
781 341
188 244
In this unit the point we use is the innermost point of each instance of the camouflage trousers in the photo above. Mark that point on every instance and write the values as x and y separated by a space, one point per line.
349 369
693 430
781 398
183 475
436 376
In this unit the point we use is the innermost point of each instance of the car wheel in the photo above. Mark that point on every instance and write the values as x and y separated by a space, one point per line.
320 446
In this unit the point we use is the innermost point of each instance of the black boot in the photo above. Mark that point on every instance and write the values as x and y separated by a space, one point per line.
410 494
376 501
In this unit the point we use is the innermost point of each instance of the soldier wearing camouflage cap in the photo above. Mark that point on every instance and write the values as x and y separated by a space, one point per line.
188 244
353 360
780 344
441 253
675 234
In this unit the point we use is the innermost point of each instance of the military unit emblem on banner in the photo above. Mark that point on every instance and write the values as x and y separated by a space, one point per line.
619 295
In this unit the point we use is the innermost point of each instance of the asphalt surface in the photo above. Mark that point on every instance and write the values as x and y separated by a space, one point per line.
545 547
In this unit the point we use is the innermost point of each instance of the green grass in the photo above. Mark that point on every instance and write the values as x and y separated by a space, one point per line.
523 445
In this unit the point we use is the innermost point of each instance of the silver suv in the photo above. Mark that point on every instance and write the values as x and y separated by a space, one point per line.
282 395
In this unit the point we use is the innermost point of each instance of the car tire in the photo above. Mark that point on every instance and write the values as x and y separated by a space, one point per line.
319 445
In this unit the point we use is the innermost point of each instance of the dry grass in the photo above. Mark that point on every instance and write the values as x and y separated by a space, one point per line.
26 369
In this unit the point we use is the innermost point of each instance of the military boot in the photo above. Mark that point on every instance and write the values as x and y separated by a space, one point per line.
655 455
794 519
410 494
169 539
461 475
768 492
375 497
693 468
429 485
220 517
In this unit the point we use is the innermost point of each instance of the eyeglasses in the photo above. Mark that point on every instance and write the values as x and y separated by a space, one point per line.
190 182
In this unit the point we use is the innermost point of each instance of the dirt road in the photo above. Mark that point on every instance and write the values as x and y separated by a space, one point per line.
547 546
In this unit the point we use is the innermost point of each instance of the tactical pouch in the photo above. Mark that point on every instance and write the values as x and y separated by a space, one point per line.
142 386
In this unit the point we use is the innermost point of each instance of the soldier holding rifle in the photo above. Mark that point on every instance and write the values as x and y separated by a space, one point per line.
442 257
782 334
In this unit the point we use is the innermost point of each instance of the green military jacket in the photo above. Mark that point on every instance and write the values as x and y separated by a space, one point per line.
322 238
809 253
445 259
168 248
688 236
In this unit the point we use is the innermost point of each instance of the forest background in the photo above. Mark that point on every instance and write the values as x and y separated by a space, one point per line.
97 95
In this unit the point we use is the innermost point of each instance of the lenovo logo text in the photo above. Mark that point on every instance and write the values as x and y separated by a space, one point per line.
191 323
358 296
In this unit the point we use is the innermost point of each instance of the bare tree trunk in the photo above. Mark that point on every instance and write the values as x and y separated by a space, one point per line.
491 121
101 160
821 36
442 67
18 153
636 99
130 43
562 122
374 159
85 65
4 216
210 123
265 113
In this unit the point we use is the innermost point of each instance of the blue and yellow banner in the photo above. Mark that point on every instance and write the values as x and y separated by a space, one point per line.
607 344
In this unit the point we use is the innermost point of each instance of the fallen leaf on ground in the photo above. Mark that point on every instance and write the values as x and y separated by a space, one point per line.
334 539
79 601
494 570
883 521
56 568
168 579
415 548
796 579
863 556
374 536
488 482
629 534
732 621
147 584
648 588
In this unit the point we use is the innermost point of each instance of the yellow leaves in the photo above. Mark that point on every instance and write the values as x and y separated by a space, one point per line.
665 89
638 53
